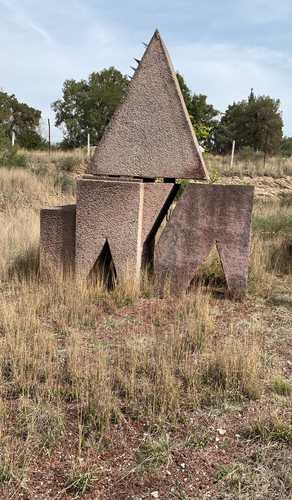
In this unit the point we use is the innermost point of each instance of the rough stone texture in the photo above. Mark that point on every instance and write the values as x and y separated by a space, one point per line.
150 134
206 215
57 236
121 213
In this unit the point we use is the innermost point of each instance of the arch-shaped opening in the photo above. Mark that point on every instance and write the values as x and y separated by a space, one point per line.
210 273
104 268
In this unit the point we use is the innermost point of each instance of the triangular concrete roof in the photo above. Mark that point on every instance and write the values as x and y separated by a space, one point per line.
150 134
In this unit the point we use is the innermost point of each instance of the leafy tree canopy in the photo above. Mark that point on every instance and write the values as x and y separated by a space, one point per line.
20 118
203 116
87 105
255 122
286 146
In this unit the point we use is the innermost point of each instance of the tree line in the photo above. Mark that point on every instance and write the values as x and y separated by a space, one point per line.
86 106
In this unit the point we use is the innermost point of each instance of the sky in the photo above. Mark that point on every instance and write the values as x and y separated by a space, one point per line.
222 48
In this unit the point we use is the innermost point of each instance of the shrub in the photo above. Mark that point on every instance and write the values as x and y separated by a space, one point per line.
65 183
281 386
273 428
9 156
80 477
154 452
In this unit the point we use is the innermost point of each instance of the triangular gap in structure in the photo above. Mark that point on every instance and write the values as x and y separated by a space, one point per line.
104 268
210 272
150 134
149 244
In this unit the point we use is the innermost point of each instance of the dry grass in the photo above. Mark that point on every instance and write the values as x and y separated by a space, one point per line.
77 360
22 194
41 162
273 167
49 352
273 218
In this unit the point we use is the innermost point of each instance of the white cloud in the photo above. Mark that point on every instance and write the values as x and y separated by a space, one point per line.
43 44
226 73
21 18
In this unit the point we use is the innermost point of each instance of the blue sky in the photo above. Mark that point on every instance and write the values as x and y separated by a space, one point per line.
223 48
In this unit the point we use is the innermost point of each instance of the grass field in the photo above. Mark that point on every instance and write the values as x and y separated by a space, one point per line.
122 395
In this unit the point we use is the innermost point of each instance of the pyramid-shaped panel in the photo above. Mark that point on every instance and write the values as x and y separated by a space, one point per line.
150 134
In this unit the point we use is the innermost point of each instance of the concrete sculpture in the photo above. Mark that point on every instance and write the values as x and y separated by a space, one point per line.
57 236
151 134
205 216
121 204
122 214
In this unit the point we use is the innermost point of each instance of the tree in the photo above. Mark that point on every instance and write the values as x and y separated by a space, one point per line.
186 92
256 123
203 115
32 139
286 146
87 106
20 118
5 145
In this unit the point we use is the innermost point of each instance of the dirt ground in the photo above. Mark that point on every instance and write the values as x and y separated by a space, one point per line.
209 454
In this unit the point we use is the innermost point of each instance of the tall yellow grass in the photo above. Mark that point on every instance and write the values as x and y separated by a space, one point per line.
22 194
273 167
50 352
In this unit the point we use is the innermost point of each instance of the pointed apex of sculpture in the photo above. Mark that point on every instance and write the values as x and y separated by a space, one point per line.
150 134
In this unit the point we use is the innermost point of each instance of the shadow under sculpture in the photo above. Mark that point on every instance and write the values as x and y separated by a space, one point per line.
206 215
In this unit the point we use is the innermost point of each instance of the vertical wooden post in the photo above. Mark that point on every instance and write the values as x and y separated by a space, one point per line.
88 145
13 138
49 136
232 154
265 152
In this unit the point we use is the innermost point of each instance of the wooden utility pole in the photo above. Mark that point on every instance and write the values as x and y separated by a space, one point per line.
266 144
232 154
49 135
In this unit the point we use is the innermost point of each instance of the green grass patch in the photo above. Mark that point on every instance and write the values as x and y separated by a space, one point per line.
154 452
281 387
272 223
271 429
80 478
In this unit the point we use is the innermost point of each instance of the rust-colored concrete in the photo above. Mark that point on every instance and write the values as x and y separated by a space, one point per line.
57 236
123 214
206 215
150 134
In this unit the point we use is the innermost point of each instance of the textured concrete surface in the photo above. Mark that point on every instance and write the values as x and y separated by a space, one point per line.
206 215
150 134
121 213
57 236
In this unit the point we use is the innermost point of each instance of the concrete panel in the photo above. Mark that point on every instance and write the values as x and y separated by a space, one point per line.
206 215
150 134
57 236
120 212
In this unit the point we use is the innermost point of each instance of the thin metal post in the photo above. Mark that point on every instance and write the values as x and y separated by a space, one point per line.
49 126
232 154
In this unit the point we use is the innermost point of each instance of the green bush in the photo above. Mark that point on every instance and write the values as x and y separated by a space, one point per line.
9 156
65 183
68 163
